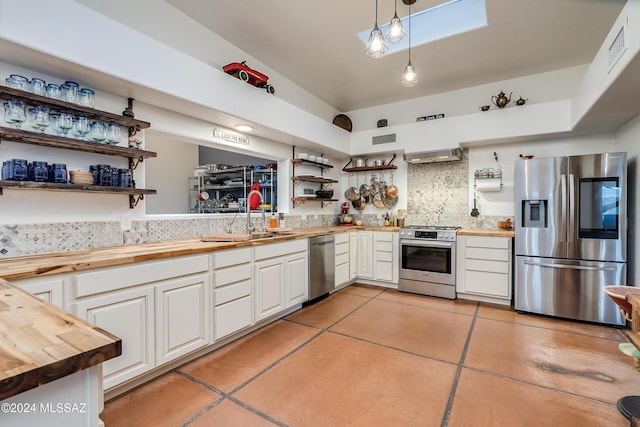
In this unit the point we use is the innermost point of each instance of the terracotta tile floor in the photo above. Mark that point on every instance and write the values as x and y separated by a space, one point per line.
369 356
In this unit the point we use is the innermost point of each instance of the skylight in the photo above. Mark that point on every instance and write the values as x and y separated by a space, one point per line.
444 20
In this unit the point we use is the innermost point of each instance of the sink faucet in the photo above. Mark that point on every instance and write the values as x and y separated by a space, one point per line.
229 228
250 226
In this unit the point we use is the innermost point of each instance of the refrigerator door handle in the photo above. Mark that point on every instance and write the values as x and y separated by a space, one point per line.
572 202
568 266
563 204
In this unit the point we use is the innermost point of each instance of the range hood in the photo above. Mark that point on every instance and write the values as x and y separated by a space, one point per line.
446 155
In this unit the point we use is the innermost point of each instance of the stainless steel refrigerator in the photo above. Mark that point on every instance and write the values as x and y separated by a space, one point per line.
571 235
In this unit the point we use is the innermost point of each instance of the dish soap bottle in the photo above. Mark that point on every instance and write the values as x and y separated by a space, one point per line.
273 221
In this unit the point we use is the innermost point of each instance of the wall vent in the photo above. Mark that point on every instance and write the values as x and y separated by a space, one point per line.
383 139
618 46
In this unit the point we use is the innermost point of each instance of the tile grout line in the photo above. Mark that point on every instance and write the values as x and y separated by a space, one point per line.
456 378
223 396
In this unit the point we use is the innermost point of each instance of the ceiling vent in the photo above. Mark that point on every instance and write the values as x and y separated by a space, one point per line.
383 139
618 46
448 155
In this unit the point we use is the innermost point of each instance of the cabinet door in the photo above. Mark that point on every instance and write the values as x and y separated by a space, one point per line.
182 317
353 254
365 254
296 278
49 290
269 287
128 315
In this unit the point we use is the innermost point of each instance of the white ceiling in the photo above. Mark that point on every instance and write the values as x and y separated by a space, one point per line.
314 43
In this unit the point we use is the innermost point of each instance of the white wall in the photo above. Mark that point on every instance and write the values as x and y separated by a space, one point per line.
627 139
168 174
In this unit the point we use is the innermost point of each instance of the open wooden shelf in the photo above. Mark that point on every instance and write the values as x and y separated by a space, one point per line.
47 140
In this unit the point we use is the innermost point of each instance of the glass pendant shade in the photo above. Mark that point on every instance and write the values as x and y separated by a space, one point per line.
395 32
376 46
409 77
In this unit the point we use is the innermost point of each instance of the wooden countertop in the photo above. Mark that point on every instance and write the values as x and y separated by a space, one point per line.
486 232
40 342
63 262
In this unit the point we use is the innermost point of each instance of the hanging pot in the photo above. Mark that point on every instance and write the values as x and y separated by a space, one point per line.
390 202
365 190
358 204
378 201
351 193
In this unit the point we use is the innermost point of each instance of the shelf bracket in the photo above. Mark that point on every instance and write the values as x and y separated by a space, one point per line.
134 199
325 204
134 162
297 203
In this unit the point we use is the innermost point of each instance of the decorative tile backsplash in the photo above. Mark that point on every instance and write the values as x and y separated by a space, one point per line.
438 195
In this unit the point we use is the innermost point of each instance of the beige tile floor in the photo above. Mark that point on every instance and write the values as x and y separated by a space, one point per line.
369 356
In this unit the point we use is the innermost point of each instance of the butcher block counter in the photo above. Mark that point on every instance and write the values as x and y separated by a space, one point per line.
22 267
41 343
486 232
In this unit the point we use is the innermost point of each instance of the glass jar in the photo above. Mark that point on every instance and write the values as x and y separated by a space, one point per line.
19 170
124 177
39 171
6 169
104 175
58 173
114 177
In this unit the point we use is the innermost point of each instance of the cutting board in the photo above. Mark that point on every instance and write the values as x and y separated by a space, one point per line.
227 237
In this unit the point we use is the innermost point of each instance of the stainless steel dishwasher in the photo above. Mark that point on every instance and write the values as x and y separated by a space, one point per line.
321 265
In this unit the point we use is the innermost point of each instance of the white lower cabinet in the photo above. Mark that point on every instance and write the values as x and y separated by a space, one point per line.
281 277
484 268
386 256
296 278
129 315
342 259
365 255
353 255
157 308
232 291
182 310
269 287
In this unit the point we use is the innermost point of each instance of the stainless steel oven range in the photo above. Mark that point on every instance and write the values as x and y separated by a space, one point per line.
428 260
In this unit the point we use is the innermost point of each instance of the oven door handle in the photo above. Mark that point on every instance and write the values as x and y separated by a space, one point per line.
430 243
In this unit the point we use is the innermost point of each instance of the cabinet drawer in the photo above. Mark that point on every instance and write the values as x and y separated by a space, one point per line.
232 292
225 276
384 236
342 259
342 238
492 284
109 279
384 256
384 246
279 249
342 274
232 316
231 257
342 248
488 266
488 254
488 242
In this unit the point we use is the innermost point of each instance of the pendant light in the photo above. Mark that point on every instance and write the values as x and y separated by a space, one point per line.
376 46
395 32
409 77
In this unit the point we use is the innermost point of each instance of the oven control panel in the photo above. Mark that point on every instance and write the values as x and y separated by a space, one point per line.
413 234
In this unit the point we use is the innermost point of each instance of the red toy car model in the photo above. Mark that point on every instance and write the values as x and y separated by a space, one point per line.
249 75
